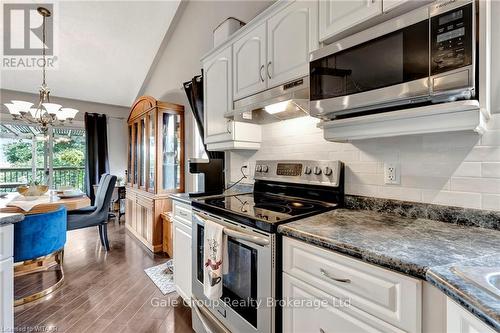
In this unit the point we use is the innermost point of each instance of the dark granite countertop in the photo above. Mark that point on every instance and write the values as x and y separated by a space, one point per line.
422 248
8 218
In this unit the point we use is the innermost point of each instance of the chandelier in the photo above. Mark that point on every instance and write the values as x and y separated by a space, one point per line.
45 114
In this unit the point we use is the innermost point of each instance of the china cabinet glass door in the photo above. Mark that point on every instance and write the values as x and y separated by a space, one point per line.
135 165
152 151
129 161
142 151
171 151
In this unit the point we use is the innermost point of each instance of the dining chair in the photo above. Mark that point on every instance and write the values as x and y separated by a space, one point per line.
38 246
98 217
90 209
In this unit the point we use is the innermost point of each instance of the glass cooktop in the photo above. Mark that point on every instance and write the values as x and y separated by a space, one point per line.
265 209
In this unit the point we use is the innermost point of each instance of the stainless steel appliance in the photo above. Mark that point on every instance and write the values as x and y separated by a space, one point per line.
283 191
295 92
425 56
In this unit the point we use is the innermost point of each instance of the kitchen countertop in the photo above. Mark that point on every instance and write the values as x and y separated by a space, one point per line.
422 248
182 197
8 218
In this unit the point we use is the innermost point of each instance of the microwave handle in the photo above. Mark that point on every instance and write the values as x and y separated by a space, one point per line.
240 235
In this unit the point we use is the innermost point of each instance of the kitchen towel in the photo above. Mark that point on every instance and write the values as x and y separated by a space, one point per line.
214 258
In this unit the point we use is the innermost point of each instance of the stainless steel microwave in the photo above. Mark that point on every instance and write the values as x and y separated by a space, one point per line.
425 56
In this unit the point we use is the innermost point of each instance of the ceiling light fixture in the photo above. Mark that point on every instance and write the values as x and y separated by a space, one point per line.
45 114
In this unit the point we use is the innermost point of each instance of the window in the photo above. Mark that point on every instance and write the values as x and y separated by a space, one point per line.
27 155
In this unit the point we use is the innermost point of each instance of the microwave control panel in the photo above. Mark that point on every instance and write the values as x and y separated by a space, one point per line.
452 39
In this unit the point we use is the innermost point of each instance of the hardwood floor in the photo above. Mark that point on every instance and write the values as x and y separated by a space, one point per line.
104 291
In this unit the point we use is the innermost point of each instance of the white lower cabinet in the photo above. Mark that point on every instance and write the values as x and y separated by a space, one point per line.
182 249
6 278
306 315
459 320
379 300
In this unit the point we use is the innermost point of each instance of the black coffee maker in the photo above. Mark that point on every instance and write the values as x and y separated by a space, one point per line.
213 175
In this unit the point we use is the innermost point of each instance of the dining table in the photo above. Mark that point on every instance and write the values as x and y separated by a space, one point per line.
47 203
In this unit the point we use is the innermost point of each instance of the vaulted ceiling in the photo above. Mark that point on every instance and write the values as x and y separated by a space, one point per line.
105 49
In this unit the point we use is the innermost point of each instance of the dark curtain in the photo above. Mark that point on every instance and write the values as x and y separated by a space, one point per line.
194 92
96 141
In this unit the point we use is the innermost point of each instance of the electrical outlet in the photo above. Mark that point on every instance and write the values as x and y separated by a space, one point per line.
391 174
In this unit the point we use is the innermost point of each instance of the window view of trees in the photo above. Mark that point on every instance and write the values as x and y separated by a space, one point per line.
66 153
17 159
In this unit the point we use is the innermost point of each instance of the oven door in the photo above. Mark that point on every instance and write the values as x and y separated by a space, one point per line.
384 66
250 278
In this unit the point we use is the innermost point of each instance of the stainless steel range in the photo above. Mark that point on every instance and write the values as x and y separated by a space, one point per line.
284 191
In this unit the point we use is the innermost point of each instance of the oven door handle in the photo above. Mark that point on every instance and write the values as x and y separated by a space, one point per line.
202 318
243 236
240 235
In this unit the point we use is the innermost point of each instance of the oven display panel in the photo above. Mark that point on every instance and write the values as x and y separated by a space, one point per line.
289 169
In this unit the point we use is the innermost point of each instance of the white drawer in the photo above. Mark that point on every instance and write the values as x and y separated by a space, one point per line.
6 241
182 213
315 311
392 297
6 295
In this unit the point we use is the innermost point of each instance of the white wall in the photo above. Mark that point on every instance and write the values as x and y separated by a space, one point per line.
179 59
117 123
458 169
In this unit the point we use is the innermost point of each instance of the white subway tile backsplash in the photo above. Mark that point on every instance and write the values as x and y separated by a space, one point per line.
490 138
490 170
400 193
365 167
461 199
490 201
425 182
468 169
458 169
484 154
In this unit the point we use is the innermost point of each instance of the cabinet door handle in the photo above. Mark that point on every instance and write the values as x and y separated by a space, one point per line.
260 73
321 330
326 274
268 72
228 126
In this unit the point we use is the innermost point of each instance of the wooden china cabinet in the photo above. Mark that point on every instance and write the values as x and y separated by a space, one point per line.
155 166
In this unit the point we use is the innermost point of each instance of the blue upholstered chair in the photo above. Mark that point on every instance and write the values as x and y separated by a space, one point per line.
39 235
38 245
99 216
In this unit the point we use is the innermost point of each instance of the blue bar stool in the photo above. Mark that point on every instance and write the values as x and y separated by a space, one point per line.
38 246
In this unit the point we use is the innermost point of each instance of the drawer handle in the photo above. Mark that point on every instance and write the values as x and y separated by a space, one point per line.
184 214
325 274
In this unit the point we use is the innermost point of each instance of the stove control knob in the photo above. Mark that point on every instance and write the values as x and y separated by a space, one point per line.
328 171
317 171
258 168
265 168
307 170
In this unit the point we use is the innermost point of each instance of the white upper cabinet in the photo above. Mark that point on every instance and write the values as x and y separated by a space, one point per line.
249 54
292 34
217 93
336 16
391 4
